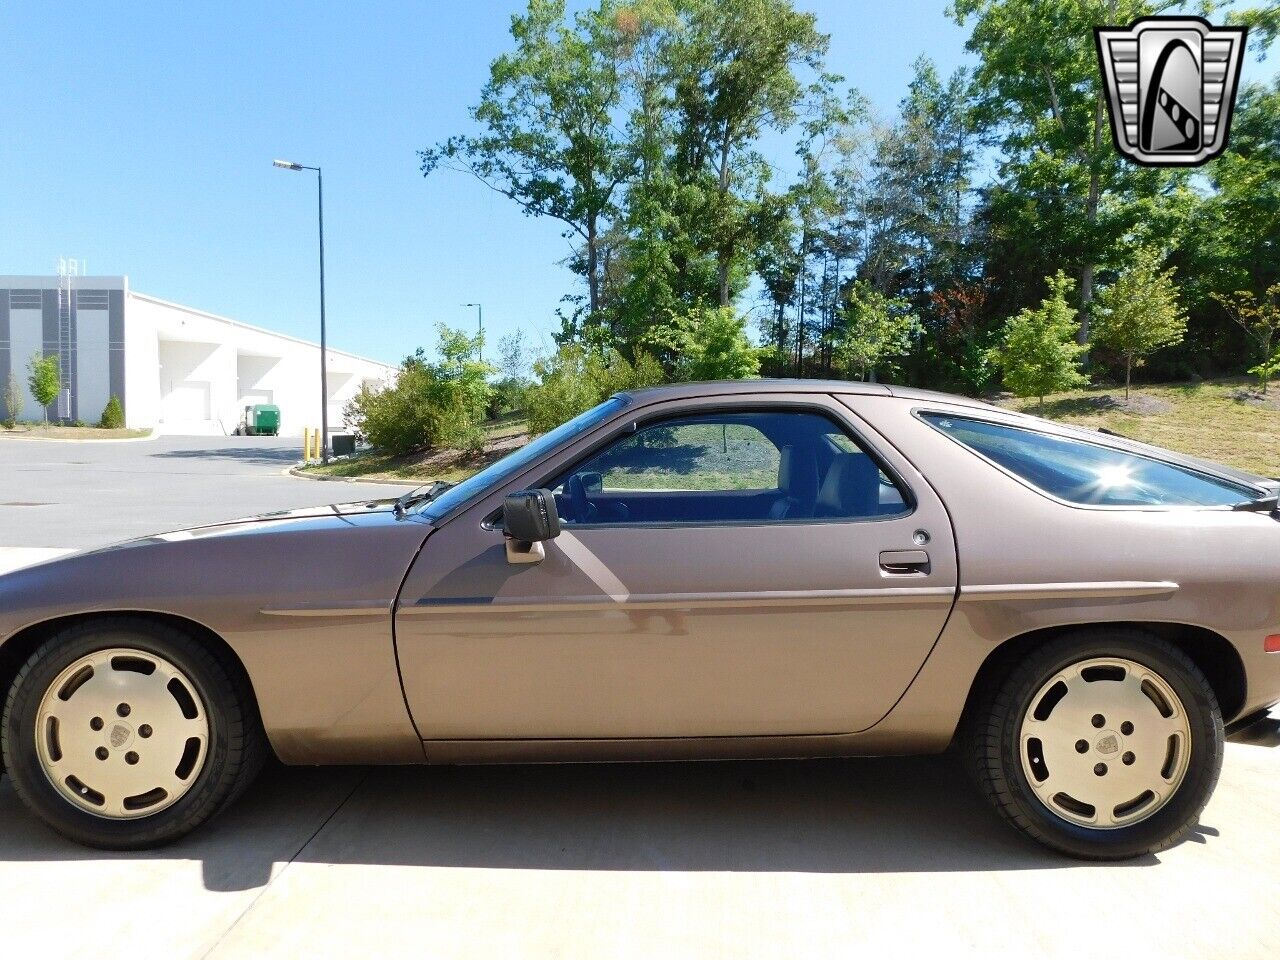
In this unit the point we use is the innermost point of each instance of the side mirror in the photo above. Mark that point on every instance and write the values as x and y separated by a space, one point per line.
529 518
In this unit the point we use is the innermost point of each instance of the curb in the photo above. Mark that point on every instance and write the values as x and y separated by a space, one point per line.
295 471
153 435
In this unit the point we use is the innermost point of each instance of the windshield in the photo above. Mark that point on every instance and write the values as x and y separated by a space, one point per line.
517 460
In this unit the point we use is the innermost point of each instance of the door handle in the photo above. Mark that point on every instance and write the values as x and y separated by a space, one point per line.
904 562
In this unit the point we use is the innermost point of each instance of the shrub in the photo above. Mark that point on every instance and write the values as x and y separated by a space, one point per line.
579 377
438 404
507 396
12 401
112 414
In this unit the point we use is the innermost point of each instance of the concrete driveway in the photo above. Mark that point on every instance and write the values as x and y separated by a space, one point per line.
841 859
857 858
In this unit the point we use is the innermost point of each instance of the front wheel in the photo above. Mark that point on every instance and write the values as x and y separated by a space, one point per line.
125 733
1103 744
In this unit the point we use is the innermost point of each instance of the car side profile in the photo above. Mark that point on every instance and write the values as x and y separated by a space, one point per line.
728 570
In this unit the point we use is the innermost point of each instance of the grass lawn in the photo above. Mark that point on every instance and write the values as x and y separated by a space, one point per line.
1223 420
58 432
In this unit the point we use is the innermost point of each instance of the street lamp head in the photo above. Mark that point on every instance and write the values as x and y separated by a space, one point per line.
286 165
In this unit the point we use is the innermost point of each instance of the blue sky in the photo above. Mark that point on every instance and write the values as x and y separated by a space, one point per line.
138 137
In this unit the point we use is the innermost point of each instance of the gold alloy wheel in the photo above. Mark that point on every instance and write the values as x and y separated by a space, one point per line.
122 733
1105 743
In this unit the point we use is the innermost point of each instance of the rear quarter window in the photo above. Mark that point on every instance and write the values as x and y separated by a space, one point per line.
1086 473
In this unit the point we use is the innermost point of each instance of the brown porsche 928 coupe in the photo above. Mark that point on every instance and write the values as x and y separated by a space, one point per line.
750 569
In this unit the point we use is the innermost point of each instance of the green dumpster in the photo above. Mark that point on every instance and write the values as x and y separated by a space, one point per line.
262 419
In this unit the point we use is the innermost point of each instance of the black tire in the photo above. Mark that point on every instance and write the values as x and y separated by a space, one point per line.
990 745
236 751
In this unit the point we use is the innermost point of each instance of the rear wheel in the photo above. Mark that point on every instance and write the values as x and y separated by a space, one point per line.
125 733
1102 744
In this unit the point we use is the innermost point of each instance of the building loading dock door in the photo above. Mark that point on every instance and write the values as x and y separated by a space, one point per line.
184 407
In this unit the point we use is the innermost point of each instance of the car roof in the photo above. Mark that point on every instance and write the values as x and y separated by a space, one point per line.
717 388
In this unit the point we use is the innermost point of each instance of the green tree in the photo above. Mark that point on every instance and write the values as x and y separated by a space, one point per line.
45 380
112 414
549 140
875 329
1064 187
734 73
1140 312
508 393
708 343
1040 354
1259 317
578 377
1267 369
12 400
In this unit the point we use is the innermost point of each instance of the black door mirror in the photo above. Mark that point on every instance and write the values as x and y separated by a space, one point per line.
530 516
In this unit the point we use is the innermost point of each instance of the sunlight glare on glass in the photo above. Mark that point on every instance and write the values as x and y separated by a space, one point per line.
1114 475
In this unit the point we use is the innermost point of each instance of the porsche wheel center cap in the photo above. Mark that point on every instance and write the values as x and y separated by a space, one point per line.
120 735
1108 743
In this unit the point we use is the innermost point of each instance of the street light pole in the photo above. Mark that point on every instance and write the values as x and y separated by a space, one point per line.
479 324
324 362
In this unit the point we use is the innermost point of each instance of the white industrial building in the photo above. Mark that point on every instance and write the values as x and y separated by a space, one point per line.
174 368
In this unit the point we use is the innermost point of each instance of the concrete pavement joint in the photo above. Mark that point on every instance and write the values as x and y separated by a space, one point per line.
288 863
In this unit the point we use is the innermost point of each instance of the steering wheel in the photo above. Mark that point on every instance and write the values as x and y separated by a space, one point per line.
584 511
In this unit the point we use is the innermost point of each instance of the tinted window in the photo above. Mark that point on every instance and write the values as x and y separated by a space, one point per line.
729 467
1087 473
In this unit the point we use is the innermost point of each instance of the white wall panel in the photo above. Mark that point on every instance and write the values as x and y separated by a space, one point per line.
93 364
26 339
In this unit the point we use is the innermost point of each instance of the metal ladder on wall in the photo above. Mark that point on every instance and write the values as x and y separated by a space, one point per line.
67 270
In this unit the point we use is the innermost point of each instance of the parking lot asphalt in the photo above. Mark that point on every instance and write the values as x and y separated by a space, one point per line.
885 857
61 494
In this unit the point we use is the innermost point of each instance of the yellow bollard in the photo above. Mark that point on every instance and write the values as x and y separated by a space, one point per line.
306 444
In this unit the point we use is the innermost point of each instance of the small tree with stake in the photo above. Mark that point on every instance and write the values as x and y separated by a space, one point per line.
1139 313
1040 354
45 379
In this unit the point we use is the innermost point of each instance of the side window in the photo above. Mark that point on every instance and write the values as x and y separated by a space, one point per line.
890 495
758 466
1088 473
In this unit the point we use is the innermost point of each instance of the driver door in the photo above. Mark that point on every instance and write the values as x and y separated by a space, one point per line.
751 570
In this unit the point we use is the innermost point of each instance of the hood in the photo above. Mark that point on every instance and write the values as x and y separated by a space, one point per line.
350 551
330 515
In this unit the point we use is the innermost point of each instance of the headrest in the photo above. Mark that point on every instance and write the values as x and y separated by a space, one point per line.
797 474
851 487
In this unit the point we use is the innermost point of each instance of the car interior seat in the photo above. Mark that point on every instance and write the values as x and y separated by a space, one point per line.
851 487
798 482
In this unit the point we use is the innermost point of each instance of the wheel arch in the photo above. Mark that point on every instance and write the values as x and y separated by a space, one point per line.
18 647
1215 656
